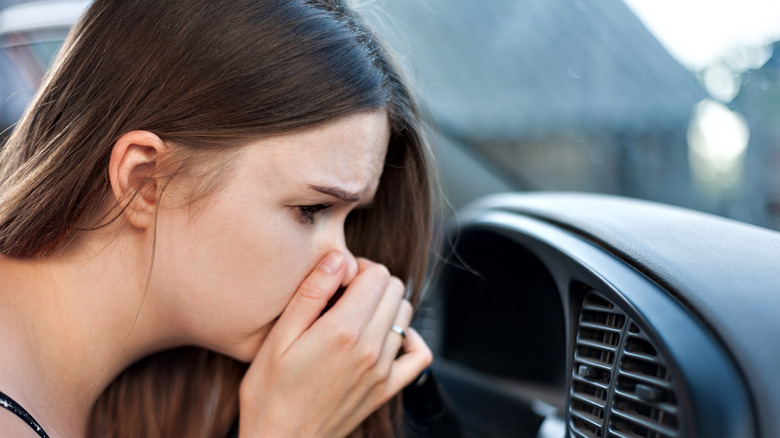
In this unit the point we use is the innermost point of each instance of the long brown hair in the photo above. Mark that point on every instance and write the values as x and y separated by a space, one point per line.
209 76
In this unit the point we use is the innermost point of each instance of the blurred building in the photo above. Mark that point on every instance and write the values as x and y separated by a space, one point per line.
560 94
759 102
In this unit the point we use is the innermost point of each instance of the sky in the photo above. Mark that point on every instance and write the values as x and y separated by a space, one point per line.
700 32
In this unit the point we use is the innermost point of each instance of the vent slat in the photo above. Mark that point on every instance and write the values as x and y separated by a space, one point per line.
578 433
640 356
597 326
593 421
597 308
618 434
667 407
589 400
599 355
593 299
590 382
593 344
665 384
646 423
638 335
592 362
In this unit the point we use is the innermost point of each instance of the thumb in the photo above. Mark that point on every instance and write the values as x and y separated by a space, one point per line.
310 299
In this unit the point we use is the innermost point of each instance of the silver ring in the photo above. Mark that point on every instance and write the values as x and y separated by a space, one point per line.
398 330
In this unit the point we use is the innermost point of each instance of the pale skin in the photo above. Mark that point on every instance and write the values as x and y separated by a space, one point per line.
246 271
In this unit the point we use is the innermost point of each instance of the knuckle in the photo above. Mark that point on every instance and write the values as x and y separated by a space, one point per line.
363 262
369 359
380 374
406 309
396 285
347 339
426 356
310 289
378 271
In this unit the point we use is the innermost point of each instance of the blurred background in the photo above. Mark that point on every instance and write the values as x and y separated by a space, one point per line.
676 101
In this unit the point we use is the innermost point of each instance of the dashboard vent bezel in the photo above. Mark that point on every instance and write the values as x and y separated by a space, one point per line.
621 385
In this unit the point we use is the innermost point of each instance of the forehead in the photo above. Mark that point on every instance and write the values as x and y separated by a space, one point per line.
348 152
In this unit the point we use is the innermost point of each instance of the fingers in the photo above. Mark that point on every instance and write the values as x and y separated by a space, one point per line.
310 299
362 317
393 340
387 312
356 308
415 358
339 366
402 370
372 303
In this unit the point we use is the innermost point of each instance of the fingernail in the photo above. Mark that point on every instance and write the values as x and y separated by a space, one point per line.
332 262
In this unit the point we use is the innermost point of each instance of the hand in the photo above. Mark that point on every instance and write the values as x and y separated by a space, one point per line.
320 376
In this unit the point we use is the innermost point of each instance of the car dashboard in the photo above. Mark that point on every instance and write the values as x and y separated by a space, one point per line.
557 314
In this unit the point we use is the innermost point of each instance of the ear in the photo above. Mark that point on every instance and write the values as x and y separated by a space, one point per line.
132 170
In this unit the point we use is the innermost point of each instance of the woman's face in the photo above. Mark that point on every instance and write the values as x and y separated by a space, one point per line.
227 266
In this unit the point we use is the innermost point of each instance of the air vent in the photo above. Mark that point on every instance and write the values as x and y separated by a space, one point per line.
620 384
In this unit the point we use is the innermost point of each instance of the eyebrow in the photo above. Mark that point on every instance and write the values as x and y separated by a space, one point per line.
337 193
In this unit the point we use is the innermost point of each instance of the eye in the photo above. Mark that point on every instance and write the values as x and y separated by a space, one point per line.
309 212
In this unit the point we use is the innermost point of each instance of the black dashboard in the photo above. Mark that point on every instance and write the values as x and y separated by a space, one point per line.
588 316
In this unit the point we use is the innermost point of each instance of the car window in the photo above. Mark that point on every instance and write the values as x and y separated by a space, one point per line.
672 101
32 52
31 34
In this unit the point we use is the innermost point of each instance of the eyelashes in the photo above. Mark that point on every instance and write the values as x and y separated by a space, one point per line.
309 212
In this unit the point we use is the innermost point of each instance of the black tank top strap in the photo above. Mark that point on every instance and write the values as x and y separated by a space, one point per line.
8 403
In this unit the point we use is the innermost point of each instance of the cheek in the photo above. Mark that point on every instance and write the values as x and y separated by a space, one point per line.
270 248
259 264
229 274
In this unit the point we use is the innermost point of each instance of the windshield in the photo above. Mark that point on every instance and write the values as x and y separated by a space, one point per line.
666 100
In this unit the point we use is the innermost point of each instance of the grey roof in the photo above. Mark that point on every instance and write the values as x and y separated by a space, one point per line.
502 69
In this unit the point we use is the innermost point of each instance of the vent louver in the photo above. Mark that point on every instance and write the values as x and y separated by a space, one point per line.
620 384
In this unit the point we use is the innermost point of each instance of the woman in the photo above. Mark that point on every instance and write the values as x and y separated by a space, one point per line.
191 187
